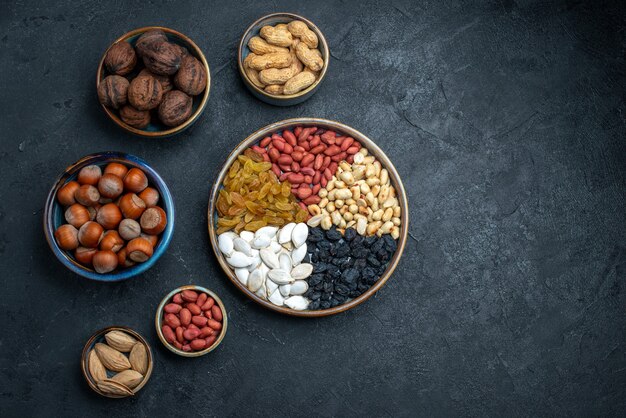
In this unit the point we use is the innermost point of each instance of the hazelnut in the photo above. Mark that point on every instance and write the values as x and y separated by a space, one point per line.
166 82
120 58
153 221
123 260
77 215
112 91
191 77
89 175
87 195
175 108
117 169
129 229
148 38
104 261
150 196
132 206
89 234
66 237
110 186
65 195
109 216
135 118
84 255
139 250
135 180
145 92
162 58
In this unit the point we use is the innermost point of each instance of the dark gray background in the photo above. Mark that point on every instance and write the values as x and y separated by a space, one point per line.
505 119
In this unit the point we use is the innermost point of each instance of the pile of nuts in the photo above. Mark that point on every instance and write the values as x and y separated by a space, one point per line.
307 158
192 321
359 196
112 217
113 371
284 59
166 66
270 262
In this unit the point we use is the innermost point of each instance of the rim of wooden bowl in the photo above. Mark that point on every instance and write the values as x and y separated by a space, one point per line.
197 52
91 342
158 321
322 44
373 150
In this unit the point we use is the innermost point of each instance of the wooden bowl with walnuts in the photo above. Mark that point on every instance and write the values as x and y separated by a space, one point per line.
153 82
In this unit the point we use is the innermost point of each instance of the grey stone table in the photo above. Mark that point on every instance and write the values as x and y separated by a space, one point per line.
506 120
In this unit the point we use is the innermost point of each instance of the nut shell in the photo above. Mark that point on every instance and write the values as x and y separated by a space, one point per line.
135 180
112 91
110 186
104 262
166 81
139 249
153 221
87 195
149 38
109 216
162 58
135 118
191 78
84 255
117 169
145 92
132 206
66 237
89 234
175 108
121 58
65 195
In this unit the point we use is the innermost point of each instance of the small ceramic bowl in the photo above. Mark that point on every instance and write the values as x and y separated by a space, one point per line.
98 337
373 149
274 99
156 129
54 216
158 321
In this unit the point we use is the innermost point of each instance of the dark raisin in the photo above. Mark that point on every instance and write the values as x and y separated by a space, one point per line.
315 295
315 235
325 304
350 275
314 305
342 289
373 261
315 279
350 234
333 235
342 250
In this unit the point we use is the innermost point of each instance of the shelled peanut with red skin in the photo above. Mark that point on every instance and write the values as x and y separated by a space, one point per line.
307 157
192 321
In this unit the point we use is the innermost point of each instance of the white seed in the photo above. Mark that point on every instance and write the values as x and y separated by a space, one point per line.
302 271
262 241
285 233
315 220
297 303
242 275
285 289
270 258
262 292
255 262
225 244
275 247
238 259
284 261
269 231
300 234
270 286
255 280
242 246
298 254
247 235
276 298
299 287
280 276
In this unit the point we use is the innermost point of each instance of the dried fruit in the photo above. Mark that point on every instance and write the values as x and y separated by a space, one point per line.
96 369
253 198
120 341
111 358
112 387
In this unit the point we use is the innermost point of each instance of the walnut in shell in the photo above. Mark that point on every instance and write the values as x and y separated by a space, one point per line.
175 108
162 57
145 92
112 91
191 77
121 58
135 118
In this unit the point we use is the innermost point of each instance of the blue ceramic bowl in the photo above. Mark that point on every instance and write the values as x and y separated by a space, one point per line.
156 129
54 215
274 99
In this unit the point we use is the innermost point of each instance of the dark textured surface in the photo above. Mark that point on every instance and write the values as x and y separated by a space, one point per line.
505 119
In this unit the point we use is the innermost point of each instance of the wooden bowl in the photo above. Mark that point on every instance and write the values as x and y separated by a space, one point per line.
275 99
98 337
53 215
158 321
373 149
156 129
